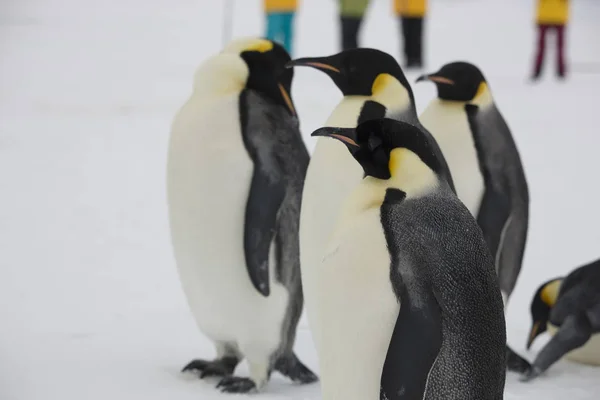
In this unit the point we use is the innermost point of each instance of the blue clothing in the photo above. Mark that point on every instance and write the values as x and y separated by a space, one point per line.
280 29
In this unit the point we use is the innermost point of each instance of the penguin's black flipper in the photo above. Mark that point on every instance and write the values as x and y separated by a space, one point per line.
265 198
573 333
494 211
414 347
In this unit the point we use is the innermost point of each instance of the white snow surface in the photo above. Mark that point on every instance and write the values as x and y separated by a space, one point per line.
90 302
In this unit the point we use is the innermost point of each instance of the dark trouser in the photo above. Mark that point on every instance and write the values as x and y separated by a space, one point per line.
350 28
541 48
412 30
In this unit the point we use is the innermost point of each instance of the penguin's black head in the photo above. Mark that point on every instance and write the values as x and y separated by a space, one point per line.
457 81
267 74
358 72
373 144
541 305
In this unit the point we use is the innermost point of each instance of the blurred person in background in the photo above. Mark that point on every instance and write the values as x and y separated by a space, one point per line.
351 16
551 15
412 13
280 22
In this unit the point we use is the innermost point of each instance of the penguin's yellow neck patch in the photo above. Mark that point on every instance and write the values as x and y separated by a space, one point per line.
380 83
410 174
261 46
388 91
248 44
550 292
395 163
481 89
483 97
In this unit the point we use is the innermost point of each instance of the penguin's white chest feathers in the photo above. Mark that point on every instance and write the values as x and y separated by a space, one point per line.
208 180
331 176
588 354
449 125
357 309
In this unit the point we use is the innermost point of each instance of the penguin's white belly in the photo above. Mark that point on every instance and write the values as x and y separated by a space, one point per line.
357 309
208 181
331 176
450 127
588 354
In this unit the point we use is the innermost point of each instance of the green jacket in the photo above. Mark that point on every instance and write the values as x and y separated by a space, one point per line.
353 8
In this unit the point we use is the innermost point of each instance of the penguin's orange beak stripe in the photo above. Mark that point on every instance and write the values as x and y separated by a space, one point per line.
286 98
533 334
345 139
440 79
323 66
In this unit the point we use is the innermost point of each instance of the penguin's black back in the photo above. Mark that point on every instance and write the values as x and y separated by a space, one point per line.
586 275
446 272
579 293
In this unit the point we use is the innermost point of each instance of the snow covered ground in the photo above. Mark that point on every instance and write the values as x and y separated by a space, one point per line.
90 303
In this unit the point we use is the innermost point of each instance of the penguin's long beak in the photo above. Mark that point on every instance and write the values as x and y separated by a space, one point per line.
436 79
325 64
345 135
535 331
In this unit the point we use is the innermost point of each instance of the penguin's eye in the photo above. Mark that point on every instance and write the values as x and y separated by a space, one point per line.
374 142
378 152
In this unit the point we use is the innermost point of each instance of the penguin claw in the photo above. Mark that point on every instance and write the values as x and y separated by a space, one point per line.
530 375
516 363
236 384
303 375
206 369
293 368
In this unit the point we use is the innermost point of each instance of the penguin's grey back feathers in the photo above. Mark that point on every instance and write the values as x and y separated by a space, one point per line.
435 241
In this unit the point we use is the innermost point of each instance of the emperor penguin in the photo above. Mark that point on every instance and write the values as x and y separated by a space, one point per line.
373 86
409 304
568 307
236 167
486 168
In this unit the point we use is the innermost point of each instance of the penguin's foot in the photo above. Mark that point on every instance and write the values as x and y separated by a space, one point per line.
530 375
516 363
236 384
220 367
294 369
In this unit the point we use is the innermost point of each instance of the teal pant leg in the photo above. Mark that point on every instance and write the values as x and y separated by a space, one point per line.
280 29
288 31
273 27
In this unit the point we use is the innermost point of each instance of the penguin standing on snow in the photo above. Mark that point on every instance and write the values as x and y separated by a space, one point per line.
486 168
409 303
236 167
570 307
373 86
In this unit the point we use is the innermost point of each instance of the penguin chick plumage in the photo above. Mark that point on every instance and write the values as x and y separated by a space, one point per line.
407 300
373 86
570 308
486 168
236 167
